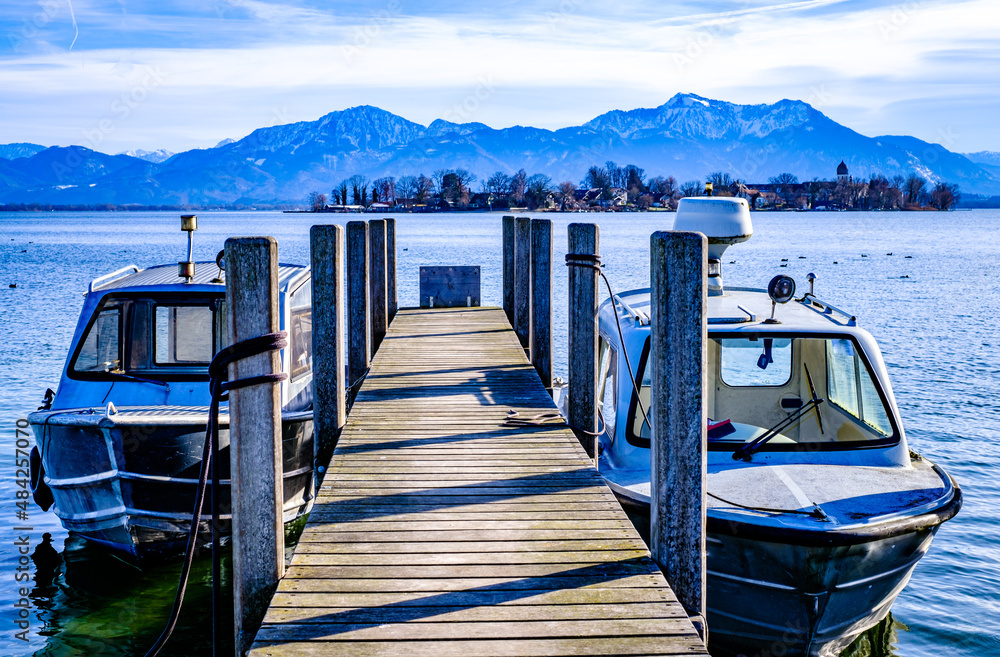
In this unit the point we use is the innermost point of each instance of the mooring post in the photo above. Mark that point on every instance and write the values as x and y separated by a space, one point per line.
326 246
390 266
254 435
358 332
541 299
508 268
377 281
678 354
584 242
522 279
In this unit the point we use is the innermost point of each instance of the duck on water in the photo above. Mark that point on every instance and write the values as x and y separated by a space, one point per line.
119 444
817 511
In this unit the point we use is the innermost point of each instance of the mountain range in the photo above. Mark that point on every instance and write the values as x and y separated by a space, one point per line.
687 137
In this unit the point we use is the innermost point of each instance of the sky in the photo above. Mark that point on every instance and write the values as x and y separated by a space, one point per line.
119 74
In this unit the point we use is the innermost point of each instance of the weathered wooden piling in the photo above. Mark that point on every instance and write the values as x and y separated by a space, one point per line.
255 435
390 266
584 241
678 356
358 332
326 246
377 282
522 279
541 299
508 268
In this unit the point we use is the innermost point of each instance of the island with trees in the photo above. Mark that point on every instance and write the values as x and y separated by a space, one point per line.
626 188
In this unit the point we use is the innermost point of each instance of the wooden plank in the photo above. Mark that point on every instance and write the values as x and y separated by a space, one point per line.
499 647
439 531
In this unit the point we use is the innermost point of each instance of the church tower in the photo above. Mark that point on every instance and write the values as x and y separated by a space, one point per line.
842 173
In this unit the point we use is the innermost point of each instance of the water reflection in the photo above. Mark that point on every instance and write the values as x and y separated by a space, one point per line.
878 641
91 603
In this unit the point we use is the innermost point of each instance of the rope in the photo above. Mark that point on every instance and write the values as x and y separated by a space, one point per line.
219 386
593 261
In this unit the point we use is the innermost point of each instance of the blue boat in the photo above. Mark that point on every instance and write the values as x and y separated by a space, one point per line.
120 441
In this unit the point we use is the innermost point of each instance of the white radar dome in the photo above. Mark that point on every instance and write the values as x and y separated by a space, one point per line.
724 220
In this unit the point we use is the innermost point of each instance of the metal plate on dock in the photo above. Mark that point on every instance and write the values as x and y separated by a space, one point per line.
449 287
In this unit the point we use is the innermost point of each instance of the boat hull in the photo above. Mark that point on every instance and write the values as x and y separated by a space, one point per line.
801 595
128 481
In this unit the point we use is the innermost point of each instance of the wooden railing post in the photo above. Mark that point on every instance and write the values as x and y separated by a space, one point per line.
390 266
678 356
584 239
326 246
254 435
377 281
541 299
508 268
358 331
522 279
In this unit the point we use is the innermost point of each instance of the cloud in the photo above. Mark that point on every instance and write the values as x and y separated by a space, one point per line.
551 65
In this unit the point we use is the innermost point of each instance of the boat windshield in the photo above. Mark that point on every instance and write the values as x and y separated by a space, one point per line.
152 337
813 391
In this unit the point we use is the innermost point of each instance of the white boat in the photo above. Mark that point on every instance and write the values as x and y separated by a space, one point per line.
817 511
120 443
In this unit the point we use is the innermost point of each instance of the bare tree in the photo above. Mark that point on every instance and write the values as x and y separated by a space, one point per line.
498 184
944 195
518 185
317 201
424 190
722 183
914 190
359 189
568 189
598 178
784 185
692 188
406 188
616 174
340 193
385 188
539 186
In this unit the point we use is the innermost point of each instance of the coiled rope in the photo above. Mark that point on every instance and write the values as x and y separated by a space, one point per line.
218 372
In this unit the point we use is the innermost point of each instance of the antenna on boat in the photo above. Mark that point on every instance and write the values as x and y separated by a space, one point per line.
724 220
189 223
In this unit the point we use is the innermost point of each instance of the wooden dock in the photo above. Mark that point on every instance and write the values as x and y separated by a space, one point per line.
438 532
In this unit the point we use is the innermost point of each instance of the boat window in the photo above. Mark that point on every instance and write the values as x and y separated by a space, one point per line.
183 335
300 303
608 397
809 391
850 386
100 350
756 362
301 343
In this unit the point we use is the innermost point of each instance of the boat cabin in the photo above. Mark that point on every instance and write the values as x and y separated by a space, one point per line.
147 337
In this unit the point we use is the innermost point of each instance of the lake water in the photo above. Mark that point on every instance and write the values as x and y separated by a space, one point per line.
930 304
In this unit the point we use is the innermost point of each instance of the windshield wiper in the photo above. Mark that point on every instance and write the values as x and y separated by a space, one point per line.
746 452
129 377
